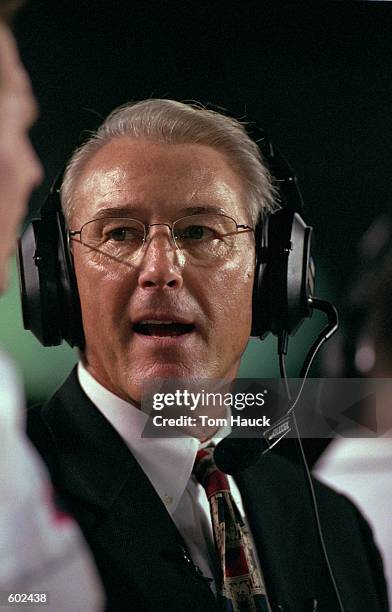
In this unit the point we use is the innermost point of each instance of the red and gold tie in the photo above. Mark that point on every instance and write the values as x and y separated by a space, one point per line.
241 588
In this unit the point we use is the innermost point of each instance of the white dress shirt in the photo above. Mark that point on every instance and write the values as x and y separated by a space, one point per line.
361 468
168 463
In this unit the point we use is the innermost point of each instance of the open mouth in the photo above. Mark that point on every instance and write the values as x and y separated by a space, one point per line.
163 328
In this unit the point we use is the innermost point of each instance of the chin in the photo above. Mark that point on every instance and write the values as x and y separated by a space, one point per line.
163 371
169 370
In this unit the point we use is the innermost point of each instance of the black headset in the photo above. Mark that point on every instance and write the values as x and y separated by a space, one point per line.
49 292
284 274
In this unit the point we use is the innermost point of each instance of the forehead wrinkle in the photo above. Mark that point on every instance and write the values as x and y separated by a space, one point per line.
220 188
101 179
99 205
208 174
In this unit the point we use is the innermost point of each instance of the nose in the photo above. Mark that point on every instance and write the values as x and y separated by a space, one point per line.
159 266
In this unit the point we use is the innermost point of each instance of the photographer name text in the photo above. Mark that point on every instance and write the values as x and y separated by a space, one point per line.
208 421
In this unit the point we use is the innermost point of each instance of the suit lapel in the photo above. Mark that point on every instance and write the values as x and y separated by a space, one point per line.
279 511
136 544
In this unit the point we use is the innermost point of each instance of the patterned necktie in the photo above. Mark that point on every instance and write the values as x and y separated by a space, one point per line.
241 589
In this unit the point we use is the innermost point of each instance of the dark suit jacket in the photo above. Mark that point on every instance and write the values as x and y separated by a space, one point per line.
139 551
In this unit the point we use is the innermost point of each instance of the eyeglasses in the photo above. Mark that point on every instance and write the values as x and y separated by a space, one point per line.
202 236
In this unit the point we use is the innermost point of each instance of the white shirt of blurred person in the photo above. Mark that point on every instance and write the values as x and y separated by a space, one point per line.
355 465
41 549
361 469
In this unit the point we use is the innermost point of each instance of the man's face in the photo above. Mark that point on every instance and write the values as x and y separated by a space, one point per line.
20 170
159 183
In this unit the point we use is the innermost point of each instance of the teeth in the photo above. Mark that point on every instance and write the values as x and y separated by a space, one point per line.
155 322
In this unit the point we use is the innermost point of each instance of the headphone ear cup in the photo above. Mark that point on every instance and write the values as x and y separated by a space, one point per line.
50 300
284 274
37 262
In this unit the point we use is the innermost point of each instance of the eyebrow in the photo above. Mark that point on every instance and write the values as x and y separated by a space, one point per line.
117 211
137 211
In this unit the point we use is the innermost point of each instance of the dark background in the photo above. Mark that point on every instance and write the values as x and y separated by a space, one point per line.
317 76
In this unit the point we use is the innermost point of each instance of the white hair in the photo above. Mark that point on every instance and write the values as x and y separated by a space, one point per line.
172 122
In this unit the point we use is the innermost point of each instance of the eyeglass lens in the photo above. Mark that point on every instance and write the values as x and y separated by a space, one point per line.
202 236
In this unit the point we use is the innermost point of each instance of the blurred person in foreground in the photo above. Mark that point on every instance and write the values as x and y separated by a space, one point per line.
42 553
359 462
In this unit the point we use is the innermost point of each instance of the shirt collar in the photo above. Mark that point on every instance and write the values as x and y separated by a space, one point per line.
167 462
